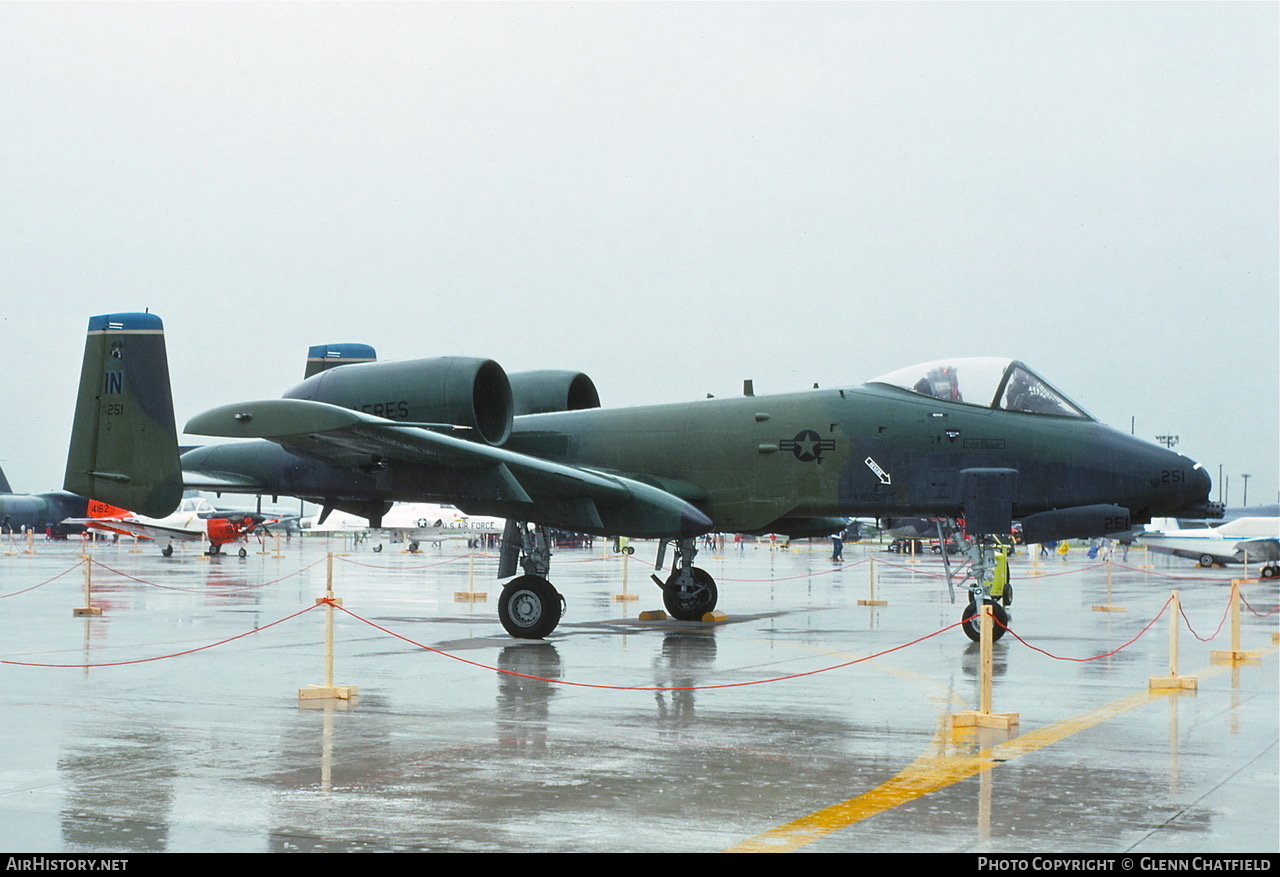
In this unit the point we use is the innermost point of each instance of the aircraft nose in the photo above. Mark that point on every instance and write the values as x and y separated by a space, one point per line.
693 522
1201 482
1190 492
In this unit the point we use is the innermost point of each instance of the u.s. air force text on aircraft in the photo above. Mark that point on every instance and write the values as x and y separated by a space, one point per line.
1125 863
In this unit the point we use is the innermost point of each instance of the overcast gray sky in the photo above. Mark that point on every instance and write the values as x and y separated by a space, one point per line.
670 197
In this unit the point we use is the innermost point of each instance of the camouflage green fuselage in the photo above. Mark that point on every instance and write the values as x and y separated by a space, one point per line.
875 450
360 436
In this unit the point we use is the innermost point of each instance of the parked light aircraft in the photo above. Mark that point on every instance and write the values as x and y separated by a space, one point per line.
194 519
38 511
985 440
1254 539
414 522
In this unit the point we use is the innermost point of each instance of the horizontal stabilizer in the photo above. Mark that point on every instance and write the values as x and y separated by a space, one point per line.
272 419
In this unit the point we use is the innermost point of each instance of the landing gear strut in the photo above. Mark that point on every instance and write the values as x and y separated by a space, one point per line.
988 576
689 592
529 607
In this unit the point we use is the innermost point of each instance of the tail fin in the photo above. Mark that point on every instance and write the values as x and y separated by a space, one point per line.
124 446
322 357
4 483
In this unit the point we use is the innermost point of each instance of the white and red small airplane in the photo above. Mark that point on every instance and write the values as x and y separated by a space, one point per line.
413 522
195 518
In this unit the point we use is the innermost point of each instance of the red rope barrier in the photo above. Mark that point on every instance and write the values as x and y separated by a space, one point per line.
1265 614
1225 612
599 685
42 584
416 566
1114 651
201 590
191 651
493 669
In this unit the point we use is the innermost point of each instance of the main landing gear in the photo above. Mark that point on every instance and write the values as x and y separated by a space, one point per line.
689 592
215 549
529 607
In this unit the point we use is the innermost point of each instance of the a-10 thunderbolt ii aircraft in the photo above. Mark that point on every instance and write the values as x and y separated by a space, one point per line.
983 440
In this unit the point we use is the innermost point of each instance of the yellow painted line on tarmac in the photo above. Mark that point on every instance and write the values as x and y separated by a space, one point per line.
930 772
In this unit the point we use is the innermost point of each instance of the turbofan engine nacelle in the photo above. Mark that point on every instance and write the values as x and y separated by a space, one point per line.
540 392
1080 522
446 390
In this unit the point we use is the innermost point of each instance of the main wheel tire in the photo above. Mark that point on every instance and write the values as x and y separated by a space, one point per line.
1206 560
973 624
690 603
529 607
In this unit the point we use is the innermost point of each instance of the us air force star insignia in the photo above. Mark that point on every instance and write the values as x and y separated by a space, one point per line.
807 446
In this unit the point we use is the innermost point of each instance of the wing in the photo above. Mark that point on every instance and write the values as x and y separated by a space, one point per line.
144 531
516 485
1259 549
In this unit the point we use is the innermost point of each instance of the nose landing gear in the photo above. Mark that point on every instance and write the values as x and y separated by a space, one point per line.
988 576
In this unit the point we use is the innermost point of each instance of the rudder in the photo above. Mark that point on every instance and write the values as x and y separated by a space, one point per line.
124 445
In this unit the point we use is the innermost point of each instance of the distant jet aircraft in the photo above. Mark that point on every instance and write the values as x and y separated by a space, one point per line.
414 522
1257 539
195 518
984 440
38 511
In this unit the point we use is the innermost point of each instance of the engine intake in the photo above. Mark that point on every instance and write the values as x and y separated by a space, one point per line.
540 392
453 390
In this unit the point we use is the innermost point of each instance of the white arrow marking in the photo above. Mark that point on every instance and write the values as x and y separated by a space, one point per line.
880 473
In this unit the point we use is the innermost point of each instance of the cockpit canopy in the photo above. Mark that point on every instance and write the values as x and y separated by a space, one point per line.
195 505
989 382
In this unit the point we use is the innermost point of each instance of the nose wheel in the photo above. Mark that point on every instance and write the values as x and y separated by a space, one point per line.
973 622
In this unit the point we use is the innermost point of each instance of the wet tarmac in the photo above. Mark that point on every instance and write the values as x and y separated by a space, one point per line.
805 721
